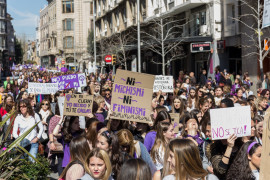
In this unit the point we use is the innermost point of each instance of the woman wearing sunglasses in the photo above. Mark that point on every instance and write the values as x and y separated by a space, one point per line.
46 114
24 121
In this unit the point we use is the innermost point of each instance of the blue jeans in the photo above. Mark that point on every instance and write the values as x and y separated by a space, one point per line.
31 147
33 151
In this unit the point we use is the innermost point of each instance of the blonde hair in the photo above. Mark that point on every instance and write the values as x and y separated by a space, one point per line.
187 160
125 138
99 100
101 154
259 100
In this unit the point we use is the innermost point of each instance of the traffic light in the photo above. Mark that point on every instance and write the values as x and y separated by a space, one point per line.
113 59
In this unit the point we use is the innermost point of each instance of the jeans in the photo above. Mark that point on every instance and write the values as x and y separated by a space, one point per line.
31 147
33 151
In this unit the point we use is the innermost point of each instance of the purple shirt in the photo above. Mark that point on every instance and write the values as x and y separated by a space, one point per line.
150 140
66 157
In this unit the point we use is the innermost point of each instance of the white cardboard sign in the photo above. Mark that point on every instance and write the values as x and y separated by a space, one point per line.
163 83
42 88
228 121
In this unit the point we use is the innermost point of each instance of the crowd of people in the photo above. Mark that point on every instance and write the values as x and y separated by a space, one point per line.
100 147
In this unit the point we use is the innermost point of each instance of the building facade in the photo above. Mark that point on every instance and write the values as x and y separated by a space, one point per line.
64 29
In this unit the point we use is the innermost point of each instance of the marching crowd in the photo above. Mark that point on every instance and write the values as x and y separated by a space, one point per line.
100 147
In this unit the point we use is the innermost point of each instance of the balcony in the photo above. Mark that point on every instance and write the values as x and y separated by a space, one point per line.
180 6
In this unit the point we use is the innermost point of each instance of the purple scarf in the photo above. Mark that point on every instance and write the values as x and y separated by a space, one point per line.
197 138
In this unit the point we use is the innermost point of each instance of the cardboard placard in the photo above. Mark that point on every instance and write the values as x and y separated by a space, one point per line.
70 81
132 96
228 121
265 158
163 83
78 105
42 88
175 121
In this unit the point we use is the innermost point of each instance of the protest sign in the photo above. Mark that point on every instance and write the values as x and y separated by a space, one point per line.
42 88
132 96
60 101
175 121
163 83
265 158
78 105
228 121
52 71
70 81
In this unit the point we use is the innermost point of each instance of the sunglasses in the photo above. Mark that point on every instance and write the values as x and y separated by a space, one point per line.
22 106
107 94
45 104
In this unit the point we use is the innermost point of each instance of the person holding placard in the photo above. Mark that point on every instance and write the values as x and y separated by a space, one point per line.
222 153
246 164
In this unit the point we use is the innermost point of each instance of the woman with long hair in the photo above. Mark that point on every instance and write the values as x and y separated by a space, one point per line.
163 116
246 164
9 89
109 143
25 121
165 133
185 161
46 114
7 105
97 166
259 128
178 106
134 148
71 128
203 106
192 99
135 169
79 150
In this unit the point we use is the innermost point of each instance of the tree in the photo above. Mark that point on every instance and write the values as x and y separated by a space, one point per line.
18 51
119 45
90 43
164 38
252 20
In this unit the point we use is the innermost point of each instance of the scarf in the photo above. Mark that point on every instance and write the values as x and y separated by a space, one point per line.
197 138
44 116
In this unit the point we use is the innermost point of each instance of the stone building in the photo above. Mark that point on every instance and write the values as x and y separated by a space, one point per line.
64 28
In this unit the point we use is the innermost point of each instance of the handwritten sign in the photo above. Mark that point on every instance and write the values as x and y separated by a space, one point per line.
265 160
70 81
228 121
163 83
175 121
42 88
52 71
132 96
78 105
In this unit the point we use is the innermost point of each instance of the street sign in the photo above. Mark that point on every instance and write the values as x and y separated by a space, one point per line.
108 59
63 61
200 47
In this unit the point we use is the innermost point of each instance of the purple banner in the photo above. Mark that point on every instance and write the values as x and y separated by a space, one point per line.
70 81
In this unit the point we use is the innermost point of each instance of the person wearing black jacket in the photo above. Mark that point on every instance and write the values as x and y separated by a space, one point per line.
203 78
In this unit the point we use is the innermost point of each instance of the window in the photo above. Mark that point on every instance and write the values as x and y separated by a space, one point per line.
68 42
117 19
68 6
68 24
